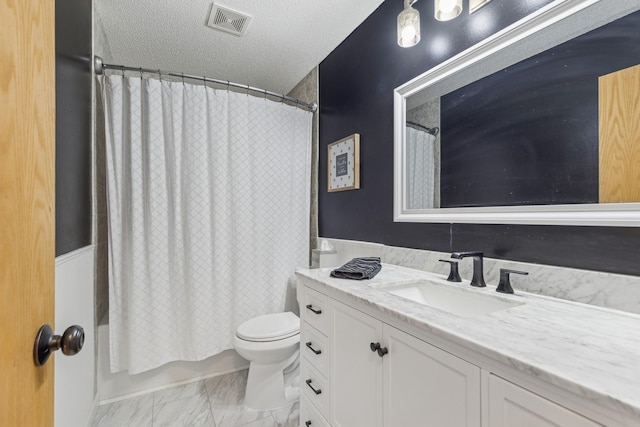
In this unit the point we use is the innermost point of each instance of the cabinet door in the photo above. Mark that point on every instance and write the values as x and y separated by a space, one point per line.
426 386
356 371
510 405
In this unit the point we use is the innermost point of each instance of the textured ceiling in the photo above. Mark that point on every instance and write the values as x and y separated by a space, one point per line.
286 38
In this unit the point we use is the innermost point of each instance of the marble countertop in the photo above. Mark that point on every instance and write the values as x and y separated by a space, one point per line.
592 352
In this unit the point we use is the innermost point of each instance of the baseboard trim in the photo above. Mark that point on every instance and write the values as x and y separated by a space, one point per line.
166 386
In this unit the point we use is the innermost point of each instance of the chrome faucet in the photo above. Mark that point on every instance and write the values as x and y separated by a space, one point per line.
478 274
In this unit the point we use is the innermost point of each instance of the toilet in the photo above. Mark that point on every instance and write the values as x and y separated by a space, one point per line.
271 343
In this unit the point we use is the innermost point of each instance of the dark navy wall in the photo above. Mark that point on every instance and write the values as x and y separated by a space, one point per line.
356 95
73 125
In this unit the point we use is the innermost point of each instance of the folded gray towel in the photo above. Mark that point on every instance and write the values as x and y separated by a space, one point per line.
358 269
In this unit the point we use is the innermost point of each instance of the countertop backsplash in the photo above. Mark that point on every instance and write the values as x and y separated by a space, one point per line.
615 291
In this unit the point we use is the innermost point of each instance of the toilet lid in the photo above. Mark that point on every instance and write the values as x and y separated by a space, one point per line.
270 327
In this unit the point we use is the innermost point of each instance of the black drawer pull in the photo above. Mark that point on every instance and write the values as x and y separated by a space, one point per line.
374 346
313 349
308 423
310 307
318 391
382 351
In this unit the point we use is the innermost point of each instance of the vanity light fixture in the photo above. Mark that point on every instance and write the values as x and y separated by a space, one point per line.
409 25
446 10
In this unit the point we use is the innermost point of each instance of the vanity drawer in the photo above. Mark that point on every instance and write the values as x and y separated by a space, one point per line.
309 416
315 387
314 347
315 310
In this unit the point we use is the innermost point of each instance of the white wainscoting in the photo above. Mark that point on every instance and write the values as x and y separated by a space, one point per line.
74 384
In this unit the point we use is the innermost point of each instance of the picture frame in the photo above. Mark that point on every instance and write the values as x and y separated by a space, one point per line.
343 164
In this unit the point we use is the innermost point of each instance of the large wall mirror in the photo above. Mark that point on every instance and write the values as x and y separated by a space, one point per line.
538 124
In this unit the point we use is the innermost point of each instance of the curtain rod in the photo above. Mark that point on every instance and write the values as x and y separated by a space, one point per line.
100 68
433 131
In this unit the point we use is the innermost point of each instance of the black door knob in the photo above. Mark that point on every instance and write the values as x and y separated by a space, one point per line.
71 342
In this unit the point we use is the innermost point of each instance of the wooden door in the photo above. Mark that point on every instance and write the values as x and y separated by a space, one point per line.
619 128
27 159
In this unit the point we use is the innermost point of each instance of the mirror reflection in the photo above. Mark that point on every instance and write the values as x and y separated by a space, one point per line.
558 128
423 166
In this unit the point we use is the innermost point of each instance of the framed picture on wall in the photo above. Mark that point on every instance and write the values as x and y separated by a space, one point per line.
344 164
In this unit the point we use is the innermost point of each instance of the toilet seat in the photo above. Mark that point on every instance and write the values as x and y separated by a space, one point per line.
269 327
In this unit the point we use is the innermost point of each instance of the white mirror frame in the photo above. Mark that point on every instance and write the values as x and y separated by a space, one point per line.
598 12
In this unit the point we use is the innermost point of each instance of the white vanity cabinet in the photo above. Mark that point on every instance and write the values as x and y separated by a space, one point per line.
413 384
314 358
511 405
425 386
407 383
356 380
367 361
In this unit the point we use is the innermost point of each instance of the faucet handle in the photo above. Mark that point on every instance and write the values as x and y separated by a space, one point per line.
460 255
454 275
504 285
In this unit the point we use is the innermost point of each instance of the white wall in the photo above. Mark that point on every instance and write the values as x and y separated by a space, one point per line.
74 398
101 45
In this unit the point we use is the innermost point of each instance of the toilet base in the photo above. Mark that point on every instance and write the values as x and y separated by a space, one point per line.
265 386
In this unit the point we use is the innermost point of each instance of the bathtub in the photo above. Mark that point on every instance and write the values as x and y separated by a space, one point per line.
121 385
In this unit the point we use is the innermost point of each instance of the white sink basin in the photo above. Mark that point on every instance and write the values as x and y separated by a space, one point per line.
449 298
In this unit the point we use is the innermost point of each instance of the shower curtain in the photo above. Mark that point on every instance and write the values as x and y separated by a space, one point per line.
208 201
420 169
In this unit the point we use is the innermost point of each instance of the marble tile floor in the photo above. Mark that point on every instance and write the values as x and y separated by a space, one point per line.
214 402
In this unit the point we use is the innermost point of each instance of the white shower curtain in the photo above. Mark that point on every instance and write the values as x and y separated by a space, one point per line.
208 194
420 169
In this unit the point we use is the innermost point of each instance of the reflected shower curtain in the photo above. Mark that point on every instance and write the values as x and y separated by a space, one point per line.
208 194
420 169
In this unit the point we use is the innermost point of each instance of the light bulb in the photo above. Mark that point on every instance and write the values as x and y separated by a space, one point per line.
447 9
409 33
447 6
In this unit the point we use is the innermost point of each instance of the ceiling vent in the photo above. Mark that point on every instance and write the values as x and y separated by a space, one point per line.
228 20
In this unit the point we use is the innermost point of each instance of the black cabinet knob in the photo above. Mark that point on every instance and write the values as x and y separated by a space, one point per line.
375 346
308 423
